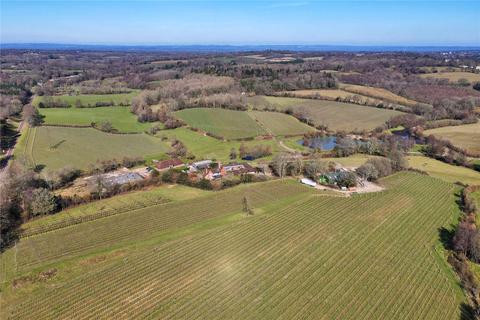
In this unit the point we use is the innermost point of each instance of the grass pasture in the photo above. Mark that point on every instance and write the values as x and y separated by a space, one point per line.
444 171
308 256
91 99
378 93
335 115
57 147
120 117
465 136
453 76
280 124
228 124
328 93
205 147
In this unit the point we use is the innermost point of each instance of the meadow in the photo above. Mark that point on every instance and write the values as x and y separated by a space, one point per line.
335 115
91 99
465 136
444 171
453 76
120 117
279 124
57 147
206 147
228 124
302 255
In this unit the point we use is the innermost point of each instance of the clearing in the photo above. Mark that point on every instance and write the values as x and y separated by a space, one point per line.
308 256
57 147
228 124
335 115
466 136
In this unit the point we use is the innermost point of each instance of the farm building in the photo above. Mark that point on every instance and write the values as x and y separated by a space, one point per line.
239 168
120 178
169 164
200 165
308 182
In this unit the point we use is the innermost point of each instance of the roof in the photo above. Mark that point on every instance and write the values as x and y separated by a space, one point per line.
308 182
165 164
203 163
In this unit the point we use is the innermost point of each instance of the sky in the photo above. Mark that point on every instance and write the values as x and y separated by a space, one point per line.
359 22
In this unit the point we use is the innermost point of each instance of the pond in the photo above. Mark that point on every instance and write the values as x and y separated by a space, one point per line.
325 143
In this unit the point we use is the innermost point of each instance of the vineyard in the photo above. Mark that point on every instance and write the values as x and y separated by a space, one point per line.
370 256
139 223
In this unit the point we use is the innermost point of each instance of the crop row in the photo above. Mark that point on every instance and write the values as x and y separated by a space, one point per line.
364 257
102 213
143 223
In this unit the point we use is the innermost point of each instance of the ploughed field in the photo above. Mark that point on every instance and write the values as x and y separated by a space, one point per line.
302 255
57 147
335 115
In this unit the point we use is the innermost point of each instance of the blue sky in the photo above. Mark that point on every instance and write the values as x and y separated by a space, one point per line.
357 22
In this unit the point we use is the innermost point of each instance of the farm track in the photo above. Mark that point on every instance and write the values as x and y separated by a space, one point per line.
370 256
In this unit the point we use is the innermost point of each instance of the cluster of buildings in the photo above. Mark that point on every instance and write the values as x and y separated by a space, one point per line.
207 169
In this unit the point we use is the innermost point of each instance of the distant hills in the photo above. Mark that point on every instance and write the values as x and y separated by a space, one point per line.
233 48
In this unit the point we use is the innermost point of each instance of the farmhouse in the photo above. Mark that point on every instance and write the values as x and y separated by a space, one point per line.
169 164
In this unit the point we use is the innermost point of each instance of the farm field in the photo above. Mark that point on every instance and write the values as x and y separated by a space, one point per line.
205 147
444 171
280 124
328 93
335 115
120 117
453 76
378 93
352 161
465 136
91 99
370 256
118 204
228 124
57 147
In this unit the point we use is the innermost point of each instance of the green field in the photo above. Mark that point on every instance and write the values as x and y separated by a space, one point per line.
118 204
466 136
120 117
228 124
57 147
205 147
280 124
335 115
302 255
91 99
444 171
